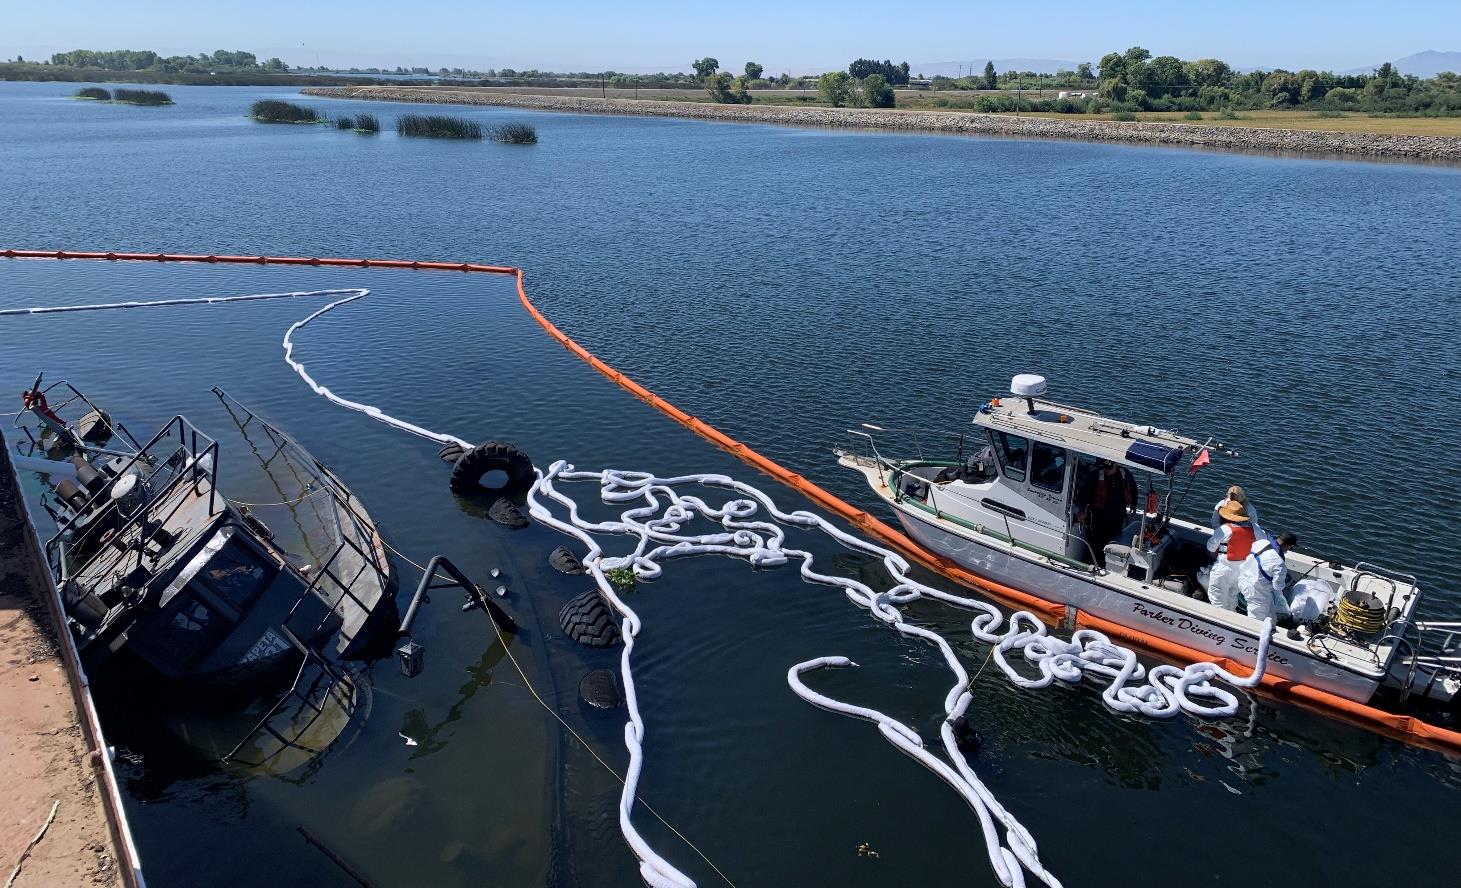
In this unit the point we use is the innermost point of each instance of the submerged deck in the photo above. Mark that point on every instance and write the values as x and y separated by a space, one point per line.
46 743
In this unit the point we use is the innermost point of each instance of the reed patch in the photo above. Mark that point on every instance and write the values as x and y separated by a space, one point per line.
141 97
275 111
437 126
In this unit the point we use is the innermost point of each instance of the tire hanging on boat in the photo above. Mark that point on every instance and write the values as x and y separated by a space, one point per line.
490 456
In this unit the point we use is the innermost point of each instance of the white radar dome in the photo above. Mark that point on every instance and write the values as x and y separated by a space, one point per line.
1028 385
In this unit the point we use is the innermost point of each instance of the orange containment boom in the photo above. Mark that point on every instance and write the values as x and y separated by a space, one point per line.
1407 728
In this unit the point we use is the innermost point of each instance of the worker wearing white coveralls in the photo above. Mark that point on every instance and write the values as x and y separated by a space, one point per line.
1230 542
1236 494
1265 576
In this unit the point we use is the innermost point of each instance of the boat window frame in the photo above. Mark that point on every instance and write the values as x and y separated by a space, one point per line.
1018 473
1065 463
184 658
210 585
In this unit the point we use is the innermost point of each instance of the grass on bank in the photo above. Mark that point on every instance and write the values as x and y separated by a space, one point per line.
437 126
275 111
141 97
94 92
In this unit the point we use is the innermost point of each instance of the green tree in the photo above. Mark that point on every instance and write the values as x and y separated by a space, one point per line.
876 93
753 71
705 67
1168 73
835 88
1113 67
1208 72
1083 71
727 90
991 81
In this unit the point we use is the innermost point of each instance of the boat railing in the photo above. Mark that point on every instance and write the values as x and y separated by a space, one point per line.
72 396
314 697
914 436
363 528
344 591
191 457
1391 578
1428 648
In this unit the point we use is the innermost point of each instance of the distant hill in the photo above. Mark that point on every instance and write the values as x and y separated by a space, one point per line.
953 69
1422 64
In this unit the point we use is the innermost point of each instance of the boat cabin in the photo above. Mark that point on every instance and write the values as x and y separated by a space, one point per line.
1064 481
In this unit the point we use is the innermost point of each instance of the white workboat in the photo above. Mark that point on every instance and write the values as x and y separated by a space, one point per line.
1011 512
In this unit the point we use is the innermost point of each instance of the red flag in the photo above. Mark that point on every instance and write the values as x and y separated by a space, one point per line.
1202 459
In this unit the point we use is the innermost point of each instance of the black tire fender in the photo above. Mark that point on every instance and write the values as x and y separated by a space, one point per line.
467 472
589 620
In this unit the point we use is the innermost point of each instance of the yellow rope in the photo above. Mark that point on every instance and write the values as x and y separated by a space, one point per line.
527 683
987 657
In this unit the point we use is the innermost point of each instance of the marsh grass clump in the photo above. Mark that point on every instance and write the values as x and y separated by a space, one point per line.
141 97
437 126
1127 116
1192 115
515 134
1228 114
1327 113
367 123
345 123
94 92
275 111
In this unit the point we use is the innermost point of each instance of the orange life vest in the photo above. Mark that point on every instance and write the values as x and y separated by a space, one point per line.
1240 541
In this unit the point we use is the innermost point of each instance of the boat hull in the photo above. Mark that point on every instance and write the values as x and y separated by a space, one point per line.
1185 626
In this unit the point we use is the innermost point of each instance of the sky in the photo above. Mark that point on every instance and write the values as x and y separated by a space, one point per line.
800 37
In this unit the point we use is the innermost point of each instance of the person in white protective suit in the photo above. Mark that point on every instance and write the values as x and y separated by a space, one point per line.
1231 542
1265 577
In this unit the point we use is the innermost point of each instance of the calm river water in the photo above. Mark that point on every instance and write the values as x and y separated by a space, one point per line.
782 284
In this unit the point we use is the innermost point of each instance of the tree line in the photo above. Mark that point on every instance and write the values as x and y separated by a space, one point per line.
147 60
1138 80
866 83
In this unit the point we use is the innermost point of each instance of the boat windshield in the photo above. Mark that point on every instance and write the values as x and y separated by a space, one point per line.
185 631
237 574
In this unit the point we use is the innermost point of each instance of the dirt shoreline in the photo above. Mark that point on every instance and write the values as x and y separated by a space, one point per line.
1325 142
43 746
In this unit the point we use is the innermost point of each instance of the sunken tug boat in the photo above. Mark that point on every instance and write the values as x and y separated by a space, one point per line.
1009 507
167 584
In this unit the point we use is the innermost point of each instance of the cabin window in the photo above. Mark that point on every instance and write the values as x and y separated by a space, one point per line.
186 630
1047 467
1013 451
237 574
